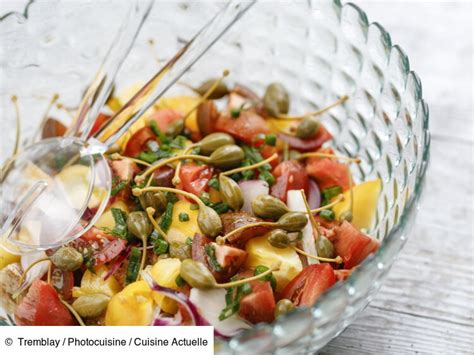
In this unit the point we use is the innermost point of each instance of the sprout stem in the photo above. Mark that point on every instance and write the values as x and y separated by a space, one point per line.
337 259
313 113
117 156
222 240
73 311
328 155
22 278
176 179
18 124
138 191
338 199
250 167
253 278
150 211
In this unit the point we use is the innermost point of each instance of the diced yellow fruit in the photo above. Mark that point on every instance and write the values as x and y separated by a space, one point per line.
260 252
6 258
74 181
107 219
95 283
131 306
183 104
366 196
179 231
281 125
165 272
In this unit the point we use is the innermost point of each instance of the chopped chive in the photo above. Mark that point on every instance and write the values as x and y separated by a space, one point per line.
214 183
328 215
270 139
133 266
179 281
235 112
160 246
167 217
183 217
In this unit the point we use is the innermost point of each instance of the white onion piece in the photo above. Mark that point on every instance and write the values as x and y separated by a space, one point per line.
295 202
36 271
210 304
251 189
314 195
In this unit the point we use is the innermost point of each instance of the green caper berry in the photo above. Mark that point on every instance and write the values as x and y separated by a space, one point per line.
231 193
283 306
196 274
91 306
293 221
67 259
276 100
209 222
156 200
220 91
227 157
268 207
213 141
278 238
324 247
139 225
307 128
346 216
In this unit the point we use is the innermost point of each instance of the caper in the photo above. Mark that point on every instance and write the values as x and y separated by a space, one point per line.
139 225
293 221
276 100
220 91
67 259
227 157
283 306
324 247
209 221
196 274
157 200
231 193
268 207
307 128
175 128
91 306
278 238
180 250
213 141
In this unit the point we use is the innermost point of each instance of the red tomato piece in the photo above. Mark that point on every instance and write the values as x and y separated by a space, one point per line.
307 145
42 306
165 117
245 127
352 245
124 169
195 178
267 151
290 175
99 121
309 284
258 306
343 274
328 172
137 142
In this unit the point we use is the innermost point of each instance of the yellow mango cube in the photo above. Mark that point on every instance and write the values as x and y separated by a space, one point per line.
165 272
260 252
179 231
7 258
94 283
131 306
107 219
366 196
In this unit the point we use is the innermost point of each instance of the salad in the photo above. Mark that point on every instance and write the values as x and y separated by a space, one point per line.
225 210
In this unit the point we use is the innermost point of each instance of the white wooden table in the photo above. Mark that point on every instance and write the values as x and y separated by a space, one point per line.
427 303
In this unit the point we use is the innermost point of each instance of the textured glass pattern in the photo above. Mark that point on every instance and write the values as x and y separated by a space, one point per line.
320 50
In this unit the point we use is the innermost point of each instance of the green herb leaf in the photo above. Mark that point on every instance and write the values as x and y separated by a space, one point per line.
260 269
180 281
268 177
211 253
178 142
133 266
161 136
183 217
214 183
120 217
270 139
328 215
167 217
160 246
329 193
118 187
235 112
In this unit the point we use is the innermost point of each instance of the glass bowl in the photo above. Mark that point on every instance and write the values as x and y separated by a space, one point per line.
320 50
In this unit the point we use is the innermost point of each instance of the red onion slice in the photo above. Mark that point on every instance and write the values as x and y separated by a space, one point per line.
118 262
314 195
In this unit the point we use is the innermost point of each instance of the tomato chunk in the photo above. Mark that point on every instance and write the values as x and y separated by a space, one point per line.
165 117
42 306
309 284
258 306
307 145
245 127
195 178
352 245
328 172
290 175
137 142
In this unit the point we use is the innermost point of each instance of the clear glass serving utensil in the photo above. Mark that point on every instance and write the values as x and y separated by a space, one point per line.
56 189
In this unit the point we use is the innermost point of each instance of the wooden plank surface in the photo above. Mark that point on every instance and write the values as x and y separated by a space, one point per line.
427 303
